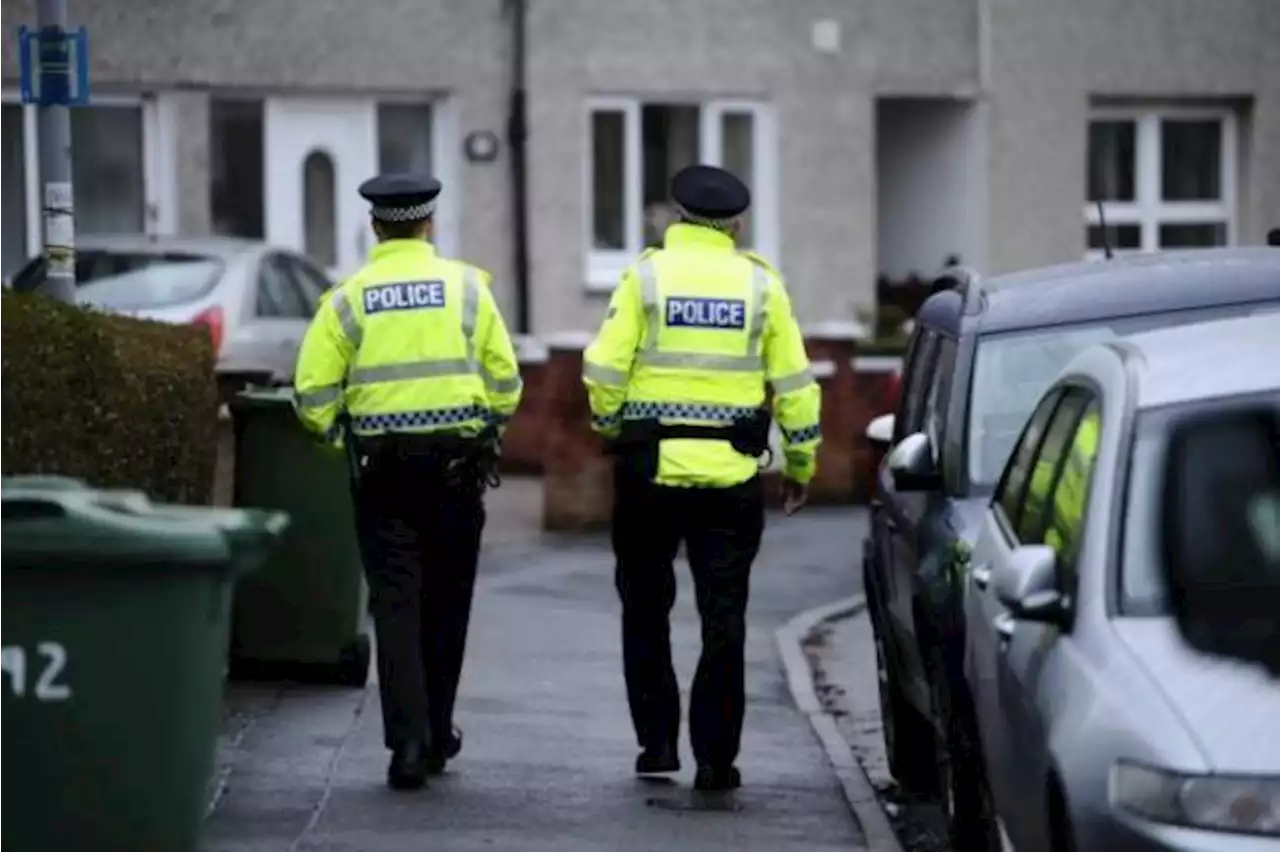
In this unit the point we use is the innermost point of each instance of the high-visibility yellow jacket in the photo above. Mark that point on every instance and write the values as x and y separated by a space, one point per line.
412 342
1066 519
693 332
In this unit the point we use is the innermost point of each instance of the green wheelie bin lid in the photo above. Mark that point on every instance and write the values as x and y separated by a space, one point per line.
115 632
259 398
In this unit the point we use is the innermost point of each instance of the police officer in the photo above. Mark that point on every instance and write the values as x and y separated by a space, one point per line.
676 380
409 363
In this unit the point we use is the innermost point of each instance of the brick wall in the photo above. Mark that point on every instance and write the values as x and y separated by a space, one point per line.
551 433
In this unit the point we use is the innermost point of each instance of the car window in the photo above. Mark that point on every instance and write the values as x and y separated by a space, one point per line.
312 281
916 384
1011 370
1008 496
132 280
1069 501
278 295
939 395
1034 515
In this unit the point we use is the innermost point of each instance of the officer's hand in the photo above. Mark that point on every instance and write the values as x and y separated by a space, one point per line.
794 496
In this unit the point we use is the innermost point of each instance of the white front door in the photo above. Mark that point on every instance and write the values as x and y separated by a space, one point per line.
318 152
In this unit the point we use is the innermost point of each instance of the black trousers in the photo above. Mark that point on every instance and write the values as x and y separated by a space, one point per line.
420 529
721 530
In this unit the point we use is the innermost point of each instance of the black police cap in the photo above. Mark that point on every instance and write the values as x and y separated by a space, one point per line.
401 196
710 192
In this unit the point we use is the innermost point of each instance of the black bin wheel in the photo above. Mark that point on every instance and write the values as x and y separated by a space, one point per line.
352 668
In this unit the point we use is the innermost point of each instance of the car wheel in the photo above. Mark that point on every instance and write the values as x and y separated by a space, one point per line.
964 792
908 741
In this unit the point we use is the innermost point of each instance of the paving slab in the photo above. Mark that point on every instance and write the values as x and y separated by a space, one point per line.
549 746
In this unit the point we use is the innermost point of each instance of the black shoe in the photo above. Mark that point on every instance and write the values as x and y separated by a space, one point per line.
717 778
437 757
657 761
408 769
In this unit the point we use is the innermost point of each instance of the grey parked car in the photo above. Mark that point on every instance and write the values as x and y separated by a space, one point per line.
1101 727
255 299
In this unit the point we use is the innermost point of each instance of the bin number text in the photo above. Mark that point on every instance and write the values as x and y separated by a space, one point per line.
50 658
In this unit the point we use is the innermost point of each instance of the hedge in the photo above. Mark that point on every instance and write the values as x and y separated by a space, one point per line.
115 401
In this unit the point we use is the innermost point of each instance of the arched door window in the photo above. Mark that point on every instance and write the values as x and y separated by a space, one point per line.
320 209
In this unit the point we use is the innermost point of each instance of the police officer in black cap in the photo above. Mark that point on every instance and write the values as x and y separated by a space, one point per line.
409 365
676 380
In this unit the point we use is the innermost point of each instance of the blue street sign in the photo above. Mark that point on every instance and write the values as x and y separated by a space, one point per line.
54 66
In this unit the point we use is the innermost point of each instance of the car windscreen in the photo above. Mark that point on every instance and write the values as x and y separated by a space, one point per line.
1241 517
127 280
1012 370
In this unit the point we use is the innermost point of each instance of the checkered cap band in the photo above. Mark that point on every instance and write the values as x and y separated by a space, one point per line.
412 213
705 221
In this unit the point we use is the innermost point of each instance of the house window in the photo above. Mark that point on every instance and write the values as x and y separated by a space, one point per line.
320 209
15 189
1165 177
237 191
636 147
404 138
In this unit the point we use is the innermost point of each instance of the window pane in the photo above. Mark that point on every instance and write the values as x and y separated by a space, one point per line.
738 156
671 142
1035 505
1121 236
1199 235
106 165
1111 160
1191 160
404 138
320 209
15 189
236 190
608 159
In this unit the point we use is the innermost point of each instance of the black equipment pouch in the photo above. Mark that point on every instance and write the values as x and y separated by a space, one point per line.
638 443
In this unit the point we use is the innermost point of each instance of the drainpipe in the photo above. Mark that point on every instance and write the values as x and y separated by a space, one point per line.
517 132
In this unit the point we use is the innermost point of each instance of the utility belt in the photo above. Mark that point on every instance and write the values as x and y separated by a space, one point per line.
638 444
461 459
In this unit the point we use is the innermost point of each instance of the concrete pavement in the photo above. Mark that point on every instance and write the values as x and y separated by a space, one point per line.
549 747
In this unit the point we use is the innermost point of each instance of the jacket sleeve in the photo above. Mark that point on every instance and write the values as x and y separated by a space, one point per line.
499 367
326 352
606 364
797 399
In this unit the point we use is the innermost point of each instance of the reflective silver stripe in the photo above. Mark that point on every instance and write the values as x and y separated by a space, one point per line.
470 310
700 361
649 298
347 317
793 382
409 370
496 385
759 293
604 375
318 396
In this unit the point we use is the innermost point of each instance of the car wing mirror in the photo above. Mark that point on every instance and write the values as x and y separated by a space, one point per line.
1220 532
880 430
912 465
1026 585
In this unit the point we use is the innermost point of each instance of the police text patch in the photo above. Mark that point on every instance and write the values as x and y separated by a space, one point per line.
404 296
690 312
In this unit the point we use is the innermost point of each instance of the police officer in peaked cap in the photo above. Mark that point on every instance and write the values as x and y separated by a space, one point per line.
676 378
408 366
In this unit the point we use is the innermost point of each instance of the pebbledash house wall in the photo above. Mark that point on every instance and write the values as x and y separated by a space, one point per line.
1031 67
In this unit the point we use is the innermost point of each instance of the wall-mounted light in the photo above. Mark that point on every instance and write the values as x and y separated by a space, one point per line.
481 146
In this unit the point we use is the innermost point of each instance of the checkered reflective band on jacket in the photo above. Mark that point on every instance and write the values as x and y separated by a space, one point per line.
694 333
412 342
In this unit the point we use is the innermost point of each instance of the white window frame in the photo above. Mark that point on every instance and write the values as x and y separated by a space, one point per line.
159 166
603 268
1148 210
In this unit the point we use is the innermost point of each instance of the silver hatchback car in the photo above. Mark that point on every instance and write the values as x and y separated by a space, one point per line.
255 299
1101 727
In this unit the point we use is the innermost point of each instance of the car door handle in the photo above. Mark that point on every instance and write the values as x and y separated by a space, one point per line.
981 575
1004 624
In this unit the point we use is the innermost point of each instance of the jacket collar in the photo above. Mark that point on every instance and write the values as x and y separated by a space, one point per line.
402 248
686 235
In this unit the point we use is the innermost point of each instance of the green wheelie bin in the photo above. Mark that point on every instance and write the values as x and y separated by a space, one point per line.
303 615
115 624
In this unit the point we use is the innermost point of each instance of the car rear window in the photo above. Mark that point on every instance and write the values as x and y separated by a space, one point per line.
124 280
